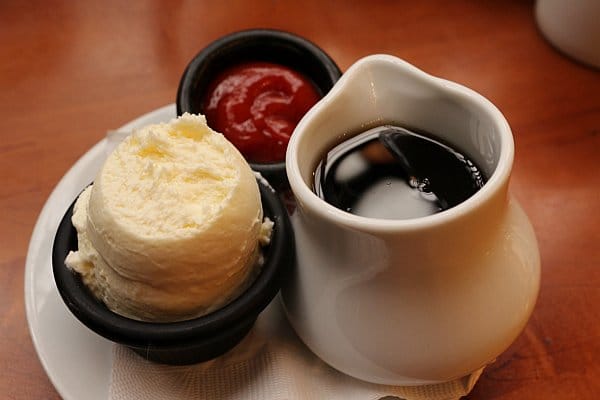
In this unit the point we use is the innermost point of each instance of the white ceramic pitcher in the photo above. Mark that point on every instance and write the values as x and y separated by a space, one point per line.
415 301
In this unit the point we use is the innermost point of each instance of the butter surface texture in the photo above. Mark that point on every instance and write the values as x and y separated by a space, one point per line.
170 228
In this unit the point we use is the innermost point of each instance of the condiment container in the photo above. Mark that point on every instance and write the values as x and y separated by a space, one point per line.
414 301
267 45
189 341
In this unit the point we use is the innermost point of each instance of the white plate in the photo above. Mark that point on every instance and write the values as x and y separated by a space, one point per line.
77 361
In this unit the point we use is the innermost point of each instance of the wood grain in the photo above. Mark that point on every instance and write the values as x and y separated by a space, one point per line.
71 70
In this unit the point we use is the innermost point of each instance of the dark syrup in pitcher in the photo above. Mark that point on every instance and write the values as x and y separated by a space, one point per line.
394 173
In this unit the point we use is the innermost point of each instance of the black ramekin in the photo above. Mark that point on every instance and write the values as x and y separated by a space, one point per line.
193 340
256 45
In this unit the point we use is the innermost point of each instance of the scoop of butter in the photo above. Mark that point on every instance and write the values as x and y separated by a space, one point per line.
170 229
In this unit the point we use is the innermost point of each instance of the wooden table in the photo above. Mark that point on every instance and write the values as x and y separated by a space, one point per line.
71 70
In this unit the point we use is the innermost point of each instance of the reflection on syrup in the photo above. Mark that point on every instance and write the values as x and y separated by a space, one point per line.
393 173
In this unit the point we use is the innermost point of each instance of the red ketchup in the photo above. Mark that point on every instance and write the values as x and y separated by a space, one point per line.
257 105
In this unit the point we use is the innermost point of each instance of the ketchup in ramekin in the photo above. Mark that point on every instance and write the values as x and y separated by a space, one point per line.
257 105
